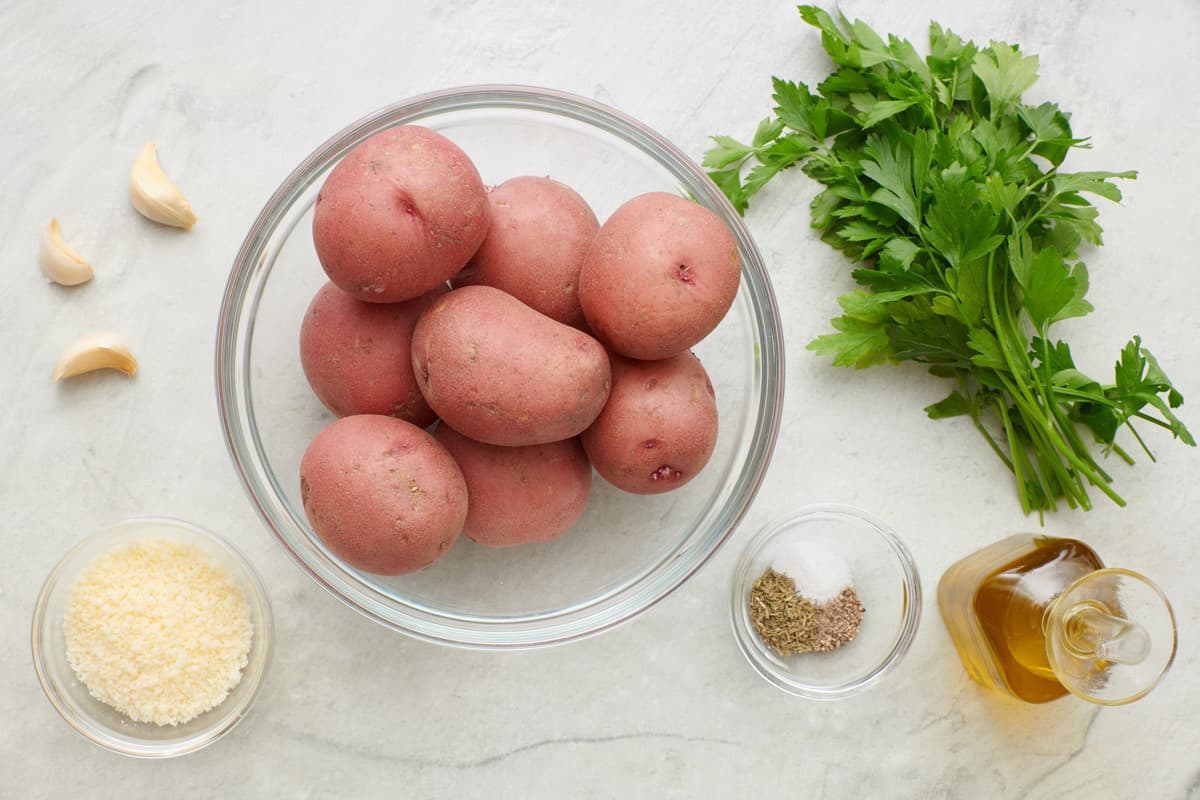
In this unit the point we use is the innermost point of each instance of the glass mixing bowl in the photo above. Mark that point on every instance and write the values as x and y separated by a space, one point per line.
627 552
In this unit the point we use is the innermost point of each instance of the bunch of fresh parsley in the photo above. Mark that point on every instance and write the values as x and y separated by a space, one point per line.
946 190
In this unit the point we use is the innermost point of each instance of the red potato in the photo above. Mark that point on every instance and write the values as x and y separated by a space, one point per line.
520 495
534 248
401 213
382 494
499 372
358 356
659 426
660 275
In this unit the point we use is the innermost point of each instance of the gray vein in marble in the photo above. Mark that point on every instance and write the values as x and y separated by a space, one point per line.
324 743
1027 790
929 720
133 97
98 62
1077 790
935 719
725 73
104 479
1192 790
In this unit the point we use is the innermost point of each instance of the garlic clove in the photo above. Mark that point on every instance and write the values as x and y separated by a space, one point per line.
93 351
60 262
153 194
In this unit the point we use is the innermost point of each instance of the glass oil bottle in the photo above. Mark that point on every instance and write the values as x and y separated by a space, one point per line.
1037 617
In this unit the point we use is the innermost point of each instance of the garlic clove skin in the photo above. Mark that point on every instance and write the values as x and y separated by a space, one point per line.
153 194
60 262
93 351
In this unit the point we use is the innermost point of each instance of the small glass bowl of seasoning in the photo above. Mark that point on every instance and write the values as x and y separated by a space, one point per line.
825 602
151 638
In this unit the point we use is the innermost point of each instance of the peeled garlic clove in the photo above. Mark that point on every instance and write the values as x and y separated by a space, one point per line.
95 351
153 194
60 262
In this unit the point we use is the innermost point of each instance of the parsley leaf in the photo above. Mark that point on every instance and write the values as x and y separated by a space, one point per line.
798 110
1005 73
958 223
889 164
954 405
727 151
857 344
1049 287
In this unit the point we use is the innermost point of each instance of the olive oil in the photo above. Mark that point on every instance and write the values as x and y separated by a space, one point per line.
994 603
1037 617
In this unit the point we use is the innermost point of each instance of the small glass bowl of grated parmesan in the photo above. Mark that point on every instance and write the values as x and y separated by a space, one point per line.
825 602
151 638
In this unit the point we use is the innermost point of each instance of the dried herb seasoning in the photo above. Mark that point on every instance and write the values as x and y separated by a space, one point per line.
790 623
782 619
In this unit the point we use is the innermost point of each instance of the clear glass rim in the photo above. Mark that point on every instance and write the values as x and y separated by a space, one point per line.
904 636
234 335
1148 585
97 734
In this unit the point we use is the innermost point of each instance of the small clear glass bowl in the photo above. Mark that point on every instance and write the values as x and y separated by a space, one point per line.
627 552
101 723
885 578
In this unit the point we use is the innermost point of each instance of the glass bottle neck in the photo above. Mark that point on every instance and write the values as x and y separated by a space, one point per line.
1090 631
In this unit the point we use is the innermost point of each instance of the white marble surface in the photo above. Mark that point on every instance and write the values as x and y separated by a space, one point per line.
665 706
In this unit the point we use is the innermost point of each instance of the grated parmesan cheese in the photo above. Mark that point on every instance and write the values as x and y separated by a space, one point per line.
159 630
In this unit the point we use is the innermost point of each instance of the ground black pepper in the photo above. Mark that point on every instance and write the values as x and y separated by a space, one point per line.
838 621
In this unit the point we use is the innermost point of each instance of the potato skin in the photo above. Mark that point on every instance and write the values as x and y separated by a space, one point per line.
401 213
659 427
358 356
659 276
534 248
520 495
382 494
499 372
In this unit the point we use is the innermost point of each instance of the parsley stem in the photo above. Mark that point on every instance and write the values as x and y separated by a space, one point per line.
1147 418
1045 437
1072 436
1039 423
1137 436
1018 392
1120 451
1014 447
1041 437
974 408
1002 333
1088 472
1101 400
1065 426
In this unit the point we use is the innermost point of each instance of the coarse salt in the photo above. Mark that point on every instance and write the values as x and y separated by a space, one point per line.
820 573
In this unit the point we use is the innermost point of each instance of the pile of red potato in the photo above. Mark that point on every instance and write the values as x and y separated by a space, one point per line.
545 343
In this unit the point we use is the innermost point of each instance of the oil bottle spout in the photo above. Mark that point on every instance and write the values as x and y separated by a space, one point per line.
1110 636
1093 633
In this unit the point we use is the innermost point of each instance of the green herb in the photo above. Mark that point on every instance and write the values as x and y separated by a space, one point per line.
784 620
946 189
